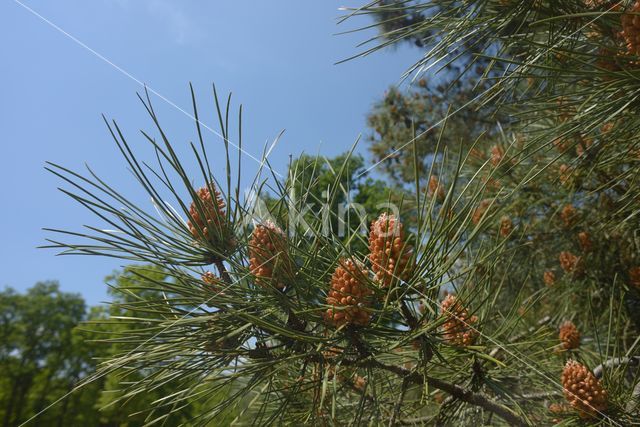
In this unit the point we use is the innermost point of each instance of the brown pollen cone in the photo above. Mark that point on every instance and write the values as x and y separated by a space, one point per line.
549 278
565 173
213 221
607 127
562 144
585 241
389 253
435 188
269 259
476 154
569 335
569 215
497 154
631 29
458 327
583 145
212 281
611 5
558 408
349 295
583 390
360 383
506 225
479 212
571 263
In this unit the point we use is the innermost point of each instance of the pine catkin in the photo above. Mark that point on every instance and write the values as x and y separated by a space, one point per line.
349 296
390 255
571 263
569 215
480 211
565 173
497 155
631 29
212 281
585 241
269 260
209 219
583 390
569 335
549 278
506 226
435 189
458 327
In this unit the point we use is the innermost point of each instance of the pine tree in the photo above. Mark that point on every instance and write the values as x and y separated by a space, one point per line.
461 316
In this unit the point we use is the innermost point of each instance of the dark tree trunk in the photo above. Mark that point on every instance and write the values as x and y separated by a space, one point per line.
24 390
40 402
9 410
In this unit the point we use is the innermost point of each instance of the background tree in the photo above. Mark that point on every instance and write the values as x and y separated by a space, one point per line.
51 348
130 290
339 191
41 358
443 93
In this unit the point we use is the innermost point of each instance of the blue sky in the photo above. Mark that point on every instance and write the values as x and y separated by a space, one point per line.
277 57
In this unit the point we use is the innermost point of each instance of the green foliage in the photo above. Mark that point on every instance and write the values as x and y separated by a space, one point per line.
421 114
130 291
340 190
562 171
265 349
51 348
43 357
532 222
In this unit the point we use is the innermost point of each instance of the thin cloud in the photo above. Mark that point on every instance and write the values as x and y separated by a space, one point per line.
182 26
169 14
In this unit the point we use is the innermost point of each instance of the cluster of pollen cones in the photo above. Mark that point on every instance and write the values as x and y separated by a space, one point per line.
569 335
269 260
583 390
631 29
458 326
349 295
389 253
570 263
391 258
212 281
208 218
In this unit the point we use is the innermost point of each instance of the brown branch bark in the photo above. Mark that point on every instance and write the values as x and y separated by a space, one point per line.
631 362
224 275
408 316
456 391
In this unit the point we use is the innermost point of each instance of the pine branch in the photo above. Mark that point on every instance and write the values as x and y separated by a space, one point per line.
408 316
634 361
398 405
456 391
222 271
460 393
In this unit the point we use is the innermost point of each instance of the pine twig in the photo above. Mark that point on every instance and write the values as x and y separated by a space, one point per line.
398 404
456 391
615 362
224 275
